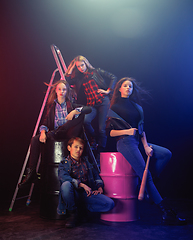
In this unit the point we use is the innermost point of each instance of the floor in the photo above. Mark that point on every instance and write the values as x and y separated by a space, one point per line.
24 222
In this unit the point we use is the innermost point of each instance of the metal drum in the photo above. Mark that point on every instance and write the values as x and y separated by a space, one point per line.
53 153
120 184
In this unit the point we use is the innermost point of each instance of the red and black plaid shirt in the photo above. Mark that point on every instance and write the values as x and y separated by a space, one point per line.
91 90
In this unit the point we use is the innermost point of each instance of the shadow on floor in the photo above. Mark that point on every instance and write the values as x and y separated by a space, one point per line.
24 222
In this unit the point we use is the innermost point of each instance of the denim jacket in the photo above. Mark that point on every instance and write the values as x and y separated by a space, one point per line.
64 171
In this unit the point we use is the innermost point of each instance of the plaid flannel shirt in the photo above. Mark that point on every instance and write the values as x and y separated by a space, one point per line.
79 170
91 91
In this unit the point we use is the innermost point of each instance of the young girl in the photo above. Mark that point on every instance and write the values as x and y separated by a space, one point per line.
125 122
93 87
63 120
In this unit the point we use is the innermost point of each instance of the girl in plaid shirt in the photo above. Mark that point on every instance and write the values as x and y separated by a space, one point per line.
63 120
93 87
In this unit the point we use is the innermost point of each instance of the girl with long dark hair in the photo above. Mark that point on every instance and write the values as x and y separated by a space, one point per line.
93 87
126 124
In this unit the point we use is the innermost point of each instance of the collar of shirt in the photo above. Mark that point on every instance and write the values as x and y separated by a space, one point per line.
73 161
79 170
62 104
89 72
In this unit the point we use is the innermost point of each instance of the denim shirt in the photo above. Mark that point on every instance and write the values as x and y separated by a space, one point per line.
64 170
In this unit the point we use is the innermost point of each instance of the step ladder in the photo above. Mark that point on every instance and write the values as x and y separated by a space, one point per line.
61 68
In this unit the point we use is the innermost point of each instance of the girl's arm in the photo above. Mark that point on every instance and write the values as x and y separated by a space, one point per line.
71 67
113 78
77 111
148 150
116 133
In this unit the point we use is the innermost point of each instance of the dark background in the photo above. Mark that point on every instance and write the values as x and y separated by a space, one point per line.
151 41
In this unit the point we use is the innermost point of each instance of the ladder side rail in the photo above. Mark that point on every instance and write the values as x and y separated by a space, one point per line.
55 51
55 54
91 153
61 58
34 133
32 185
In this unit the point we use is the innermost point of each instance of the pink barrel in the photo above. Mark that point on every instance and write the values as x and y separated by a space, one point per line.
120 184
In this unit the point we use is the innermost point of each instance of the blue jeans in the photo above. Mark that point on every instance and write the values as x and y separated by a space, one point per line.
76 197
129 147
159 160
102 110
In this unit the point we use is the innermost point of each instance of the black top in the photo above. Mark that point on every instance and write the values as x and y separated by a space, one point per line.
125 109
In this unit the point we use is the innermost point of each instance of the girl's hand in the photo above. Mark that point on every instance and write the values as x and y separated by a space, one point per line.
103 91
42 137
131 131
148 151
72 114
72 67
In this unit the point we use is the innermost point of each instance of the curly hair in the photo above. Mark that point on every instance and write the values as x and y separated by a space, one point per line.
53 95
137 94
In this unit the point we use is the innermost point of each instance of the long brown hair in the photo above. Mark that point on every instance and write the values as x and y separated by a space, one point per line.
137 94
81 59
53 94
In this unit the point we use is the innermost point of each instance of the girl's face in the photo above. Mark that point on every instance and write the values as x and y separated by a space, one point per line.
81 66
126 89
61 90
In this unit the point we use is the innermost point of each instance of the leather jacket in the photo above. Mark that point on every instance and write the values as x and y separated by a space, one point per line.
115 122
103 79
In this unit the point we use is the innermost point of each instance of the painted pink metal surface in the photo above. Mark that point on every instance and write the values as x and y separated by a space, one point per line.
120 184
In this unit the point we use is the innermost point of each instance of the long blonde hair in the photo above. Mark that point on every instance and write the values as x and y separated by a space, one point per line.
81 59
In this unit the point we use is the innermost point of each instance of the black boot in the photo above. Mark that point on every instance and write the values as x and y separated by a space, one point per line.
72 219
169 216
30 177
